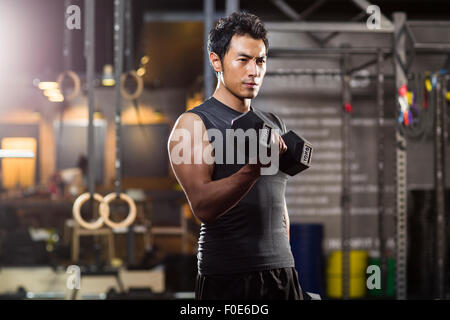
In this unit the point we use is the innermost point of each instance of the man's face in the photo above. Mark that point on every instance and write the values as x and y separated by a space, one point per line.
244 66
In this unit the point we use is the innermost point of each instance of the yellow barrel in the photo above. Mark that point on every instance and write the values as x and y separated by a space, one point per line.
358 266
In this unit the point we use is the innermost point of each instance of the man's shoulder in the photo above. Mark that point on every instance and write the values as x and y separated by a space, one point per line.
196 113
201 107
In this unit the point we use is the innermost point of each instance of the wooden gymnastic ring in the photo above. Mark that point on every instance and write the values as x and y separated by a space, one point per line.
76 84
140 85
104 210
77 214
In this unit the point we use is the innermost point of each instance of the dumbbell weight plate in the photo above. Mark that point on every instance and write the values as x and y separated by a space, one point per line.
298 155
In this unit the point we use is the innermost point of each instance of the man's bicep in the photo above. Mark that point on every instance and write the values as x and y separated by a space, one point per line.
186 153
191 177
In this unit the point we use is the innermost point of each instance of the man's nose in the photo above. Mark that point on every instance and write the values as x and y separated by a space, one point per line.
253 69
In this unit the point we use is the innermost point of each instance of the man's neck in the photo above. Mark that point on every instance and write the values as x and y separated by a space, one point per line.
230 100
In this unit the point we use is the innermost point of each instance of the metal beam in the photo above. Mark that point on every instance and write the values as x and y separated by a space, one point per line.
440 150
438 47
89 45
381 203
67 41
429 24
308 11
314 52
231 6
119 43
181 16
67 65
346 181
370 62
334 34
293 15
304 72
129 65
286 9
324 27
319 73
401 164
208 75
129 30
325 51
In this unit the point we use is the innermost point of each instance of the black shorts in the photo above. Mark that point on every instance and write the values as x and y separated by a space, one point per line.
275 284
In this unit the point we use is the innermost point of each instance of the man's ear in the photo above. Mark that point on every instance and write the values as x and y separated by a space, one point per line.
215 62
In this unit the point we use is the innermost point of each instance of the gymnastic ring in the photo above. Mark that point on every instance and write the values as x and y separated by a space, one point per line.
77 215
140 85
76 84
104 210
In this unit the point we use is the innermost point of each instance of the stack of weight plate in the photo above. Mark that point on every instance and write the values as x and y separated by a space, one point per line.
358 266
306 245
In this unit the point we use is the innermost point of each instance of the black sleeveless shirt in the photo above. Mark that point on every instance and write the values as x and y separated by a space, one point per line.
251 236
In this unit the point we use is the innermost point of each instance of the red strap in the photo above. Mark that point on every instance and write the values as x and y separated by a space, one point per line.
403 90
348 107
405 118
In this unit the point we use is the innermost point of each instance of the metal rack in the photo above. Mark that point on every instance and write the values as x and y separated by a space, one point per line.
400 30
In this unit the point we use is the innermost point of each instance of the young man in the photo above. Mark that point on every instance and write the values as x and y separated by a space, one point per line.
243 248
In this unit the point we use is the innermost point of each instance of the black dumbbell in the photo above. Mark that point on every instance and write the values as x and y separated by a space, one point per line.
299 151
297 156
250 120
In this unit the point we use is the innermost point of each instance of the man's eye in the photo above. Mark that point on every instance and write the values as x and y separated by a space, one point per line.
242 59
262 61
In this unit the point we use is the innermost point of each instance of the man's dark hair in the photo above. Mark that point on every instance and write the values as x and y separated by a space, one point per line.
237 23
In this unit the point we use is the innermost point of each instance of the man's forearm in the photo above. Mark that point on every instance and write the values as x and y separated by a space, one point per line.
215 198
